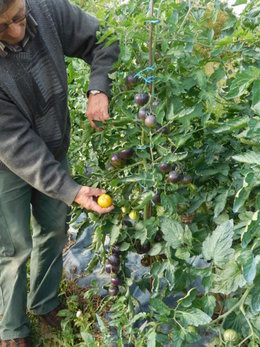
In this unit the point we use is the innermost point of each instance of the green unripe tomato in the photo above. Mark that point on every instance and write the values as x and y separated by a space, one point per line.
230 335
191 329
124 209
215 342
134 215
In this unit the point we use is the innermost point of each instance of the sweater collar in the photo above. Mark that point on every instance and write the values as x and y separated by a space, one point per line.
31 30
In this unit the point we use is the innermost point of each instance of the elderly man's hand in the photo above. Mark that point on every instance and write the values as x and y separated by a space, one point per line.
85 198
97 109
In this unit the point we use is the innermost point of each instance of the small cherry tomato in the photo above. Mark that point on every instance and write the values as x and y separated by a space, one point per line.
230 335
104 200
134 215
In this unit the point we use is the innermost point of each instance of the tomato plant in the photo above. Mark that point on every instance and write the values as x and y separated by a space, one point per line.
184 129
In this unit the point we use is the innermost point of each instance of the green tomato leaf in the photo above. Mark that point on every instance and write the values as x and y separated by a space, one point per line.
250 230
151 339
229 279
247 260
159 306
217 247
256 97
88 338
249 157
156 249
115 232
193 316
221 201
242 82
208 304
255 292
172 232
187 300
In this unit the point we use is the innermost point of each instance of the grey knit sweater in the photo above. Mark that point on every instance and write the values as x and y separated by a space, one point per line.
34 116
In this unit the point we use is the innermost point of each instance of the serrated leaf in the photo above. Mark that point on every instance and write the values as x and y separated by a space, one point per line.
91 342
255 293
217 247
159 306
247 261
228 280
248 157
146 198
188 299
124 246
115 232
221 201
151 339
256 97
193 316
156 249
182 253
234 124
208 303
250 181
172 232
250 230
242 82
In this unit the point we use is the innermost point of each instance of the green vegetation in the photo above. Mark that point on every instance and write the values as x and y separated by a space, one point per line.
198 155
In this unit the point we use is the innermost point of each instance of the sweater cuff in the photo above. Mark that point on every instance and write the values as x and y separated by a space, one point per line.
68 191
99 83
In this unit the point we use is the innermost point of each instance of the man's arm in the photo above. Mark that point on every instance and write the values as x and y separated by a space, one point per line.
77 31
26 154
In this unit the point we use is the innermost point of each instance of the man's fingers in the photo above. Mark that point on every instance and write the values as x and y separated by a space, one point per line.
95 191
93 206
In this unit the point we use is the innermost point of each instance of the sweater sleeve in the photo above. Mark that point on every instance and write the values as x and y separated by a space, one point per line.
77 30
26 154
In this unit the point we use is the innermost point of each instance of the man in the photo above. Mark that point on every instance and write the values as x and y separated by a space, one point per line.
34 138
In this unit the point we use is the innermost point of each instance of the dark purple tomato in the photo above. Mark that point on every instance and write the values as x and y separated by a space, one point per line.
115 269
116 281
150 121
145 261
126 153
186 179
142 248
173 177
114 260
116 250
116 161
158 236
131 80
165 167
108 268
141 99
112 291
157 198
143 113
163 130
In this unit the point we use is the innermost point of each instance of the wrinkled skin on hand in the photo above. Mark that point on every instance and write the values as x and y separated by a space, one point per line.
97 109
86 198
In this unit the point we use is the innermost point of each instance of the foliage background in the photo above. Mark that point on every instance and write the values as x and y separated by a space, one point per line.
206 78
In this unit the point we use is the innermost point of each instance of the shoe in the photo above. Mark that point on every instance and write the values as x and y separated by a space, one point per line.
51 318
20 342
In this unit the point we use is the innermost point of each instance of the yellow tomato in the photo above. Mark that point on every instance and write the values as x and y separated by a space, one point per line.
134 215
104 200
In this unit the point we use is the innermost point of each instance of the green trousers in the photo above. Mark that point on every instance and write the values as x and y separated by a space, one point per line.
19 205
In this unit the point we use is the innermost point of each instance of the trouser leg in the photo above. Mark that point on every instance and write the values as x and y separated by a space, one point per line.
50 225
15 248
